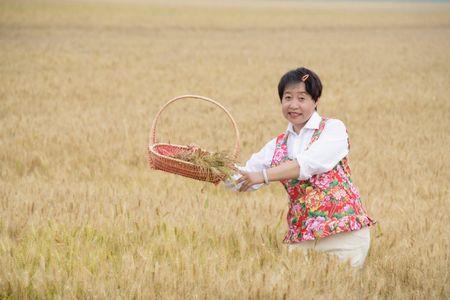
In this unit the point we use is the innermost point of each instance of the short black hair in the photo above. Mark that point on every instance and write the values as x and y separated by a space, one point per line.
313 85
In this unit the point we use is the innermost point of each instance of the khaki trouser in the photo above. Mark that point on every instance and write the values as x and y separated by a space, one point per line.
352 246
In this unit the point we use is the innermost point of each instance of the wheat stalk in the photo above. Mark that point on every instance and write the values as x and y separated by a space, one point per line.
219 163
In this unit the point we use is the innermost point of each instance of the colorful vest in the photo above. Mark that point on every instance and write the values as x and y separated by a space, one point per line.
326 204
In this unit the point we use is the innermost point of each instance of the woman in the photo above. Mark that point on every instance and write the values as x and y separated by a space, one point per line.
310 160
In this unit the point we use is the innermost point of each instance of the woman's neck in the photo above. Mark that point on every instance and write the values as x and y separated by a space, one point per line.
298 128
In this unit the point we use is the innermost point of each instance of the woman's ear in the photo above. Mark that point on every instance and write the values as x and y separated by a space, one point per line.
316 103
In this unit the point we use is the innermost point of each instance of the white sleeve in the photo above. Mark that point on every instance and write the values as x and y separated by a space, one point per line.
326 152
262 159
258 161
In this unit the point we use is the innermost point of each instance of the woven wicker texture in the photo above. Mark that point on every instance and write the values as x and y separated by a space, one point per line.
160 155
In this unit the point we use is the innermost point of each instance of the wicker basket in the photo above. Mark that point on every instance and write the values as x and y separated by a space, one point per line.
160 154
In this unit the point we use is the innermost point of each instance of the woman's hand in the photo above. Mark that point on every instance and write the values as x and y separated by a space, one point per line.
248 179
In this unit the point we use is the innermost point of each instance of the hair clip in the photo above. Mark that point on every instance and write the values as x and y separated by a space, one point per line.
304 77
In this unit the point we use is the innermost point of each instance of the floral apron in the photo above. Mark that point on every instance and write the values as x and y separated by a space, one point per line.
326 204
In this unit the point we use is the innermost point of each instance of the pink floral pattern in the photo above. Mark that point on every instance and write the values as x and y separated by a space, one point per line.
326 204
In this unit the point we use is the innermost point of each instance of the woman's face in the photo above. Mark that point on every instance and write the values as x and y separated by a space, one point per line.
297 105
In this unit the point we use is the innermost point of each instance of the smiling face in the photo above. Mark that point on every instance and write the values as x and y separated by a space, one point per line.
297 105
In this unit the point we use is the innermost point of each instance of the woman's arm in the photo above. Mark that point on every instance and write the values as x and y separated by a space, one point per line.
321 157
257 162
287 170
325 153
262 159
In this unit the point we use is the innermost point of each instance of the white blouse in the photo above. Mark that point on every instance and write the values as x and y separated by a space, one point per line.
323 155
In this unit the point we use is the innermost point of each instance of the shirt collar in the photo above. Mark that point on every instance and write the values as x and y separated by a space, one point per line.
313 123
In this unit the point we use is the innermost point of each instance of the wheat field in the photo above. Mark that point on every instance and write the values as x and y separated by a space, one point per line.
81 214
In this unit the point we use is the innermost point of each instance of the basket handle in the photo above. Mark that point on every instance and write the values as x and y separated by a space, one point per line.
153 130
